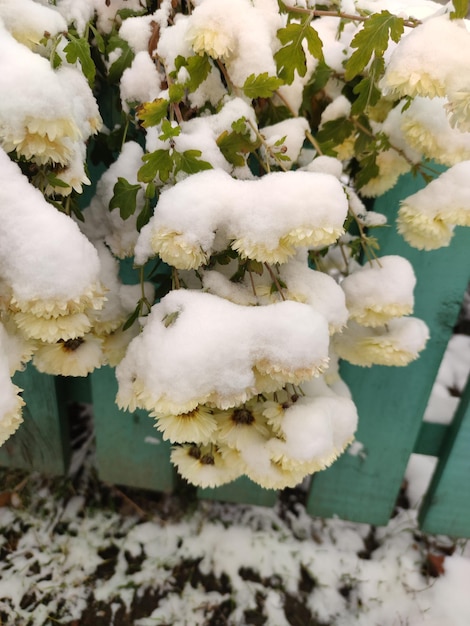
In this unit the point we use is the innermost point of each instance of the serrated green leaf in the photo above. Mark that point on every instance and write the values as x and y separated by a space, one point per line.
291 57
261 86
124 198
159 163
234 146
152 113
78 49
255 266
190 162
56 182
123 61
460 9
368 95
169 131
373 39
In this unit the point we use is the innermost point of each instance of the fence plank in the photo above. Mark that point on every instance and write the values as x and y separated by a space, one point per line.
129 449
391 401
446 506
243 490
41 443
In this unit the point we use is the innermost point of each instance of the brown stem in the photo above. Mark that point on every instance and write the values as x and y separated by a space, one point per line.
275 280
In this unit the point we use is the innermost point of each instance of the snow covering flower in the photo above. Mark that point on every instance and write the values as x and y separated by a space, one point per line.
379 291
197 426
204 466
162 368
46 277
29 21
426 219
424 63
236 32
74 357
426 128
398 343
264 218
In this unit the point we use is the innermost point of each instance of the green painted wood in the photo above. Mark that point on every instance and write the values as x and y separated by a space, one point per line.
446 506
41 443
129 449
391 401
242 491
431 437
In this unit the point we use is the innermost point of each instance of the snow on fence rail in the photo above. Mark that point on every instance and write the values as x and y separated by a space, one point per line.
391 403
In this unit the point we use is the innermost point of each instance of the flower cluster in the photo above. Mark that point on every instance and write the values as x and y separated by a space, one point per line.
230 146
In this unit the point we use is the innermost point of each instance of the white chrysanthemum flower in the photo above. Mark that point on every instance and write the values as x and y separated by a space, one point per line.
380 290
197 426
75 357
204 466
214 37
115 343
29 21
398 343
426 128
280 252
391 165
51 329
235 427
177 250
426 218
458 108
423 63
10 412
423 230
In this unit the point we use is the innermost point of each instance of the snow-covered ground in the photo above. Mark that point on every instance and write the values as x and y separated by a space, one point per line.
79 553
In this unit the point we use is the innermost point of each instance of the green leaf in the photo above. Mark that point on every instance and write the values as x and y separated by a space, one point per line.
98 38
198 67
255 266
124 198
460 9
368 170
169 131
337 130
131 319
123 61
152 113
189 162
261 86
78 49
176 92
368 95
235 145
144 216
372 40
291 57
159 163
170 318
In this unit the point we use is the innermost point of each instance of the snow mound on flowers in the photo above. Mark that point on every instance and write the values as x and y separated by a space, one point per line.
198 348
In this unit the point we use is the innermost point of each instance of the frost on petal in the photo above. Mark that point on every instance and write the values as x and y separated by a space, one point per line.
45 276
379 291
399 343
187 353
265 219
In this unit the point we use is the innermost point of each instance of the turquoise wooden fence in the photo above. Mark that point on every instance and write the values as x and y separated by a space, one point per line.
391 403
